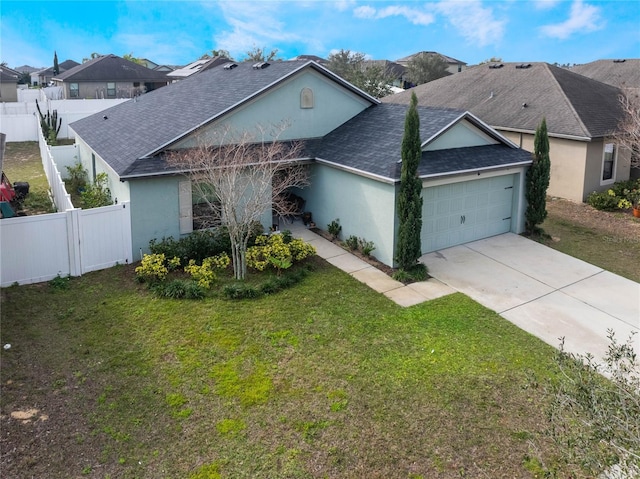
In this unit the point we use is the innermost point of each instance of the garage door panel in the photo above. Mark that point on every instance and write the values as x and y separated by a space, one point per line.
466 211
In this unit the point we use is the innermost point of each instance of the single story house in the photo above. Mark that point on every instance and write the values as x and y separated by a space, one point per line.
108 76
473 177
581 114
44 76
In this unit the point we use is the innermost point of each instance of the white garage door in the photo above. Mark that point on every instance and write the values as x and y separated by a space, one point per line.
462 212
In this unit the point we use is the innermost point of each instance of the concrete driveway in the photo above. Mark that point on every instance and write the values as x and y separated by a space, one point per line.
545 292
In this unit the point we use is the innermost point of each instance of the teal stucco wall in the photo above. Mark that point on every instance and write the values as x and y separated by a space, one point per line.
332 106
364 206
154 211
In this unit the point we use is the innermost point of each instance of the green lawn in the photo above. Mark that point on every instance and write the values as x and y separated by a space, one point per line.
326 379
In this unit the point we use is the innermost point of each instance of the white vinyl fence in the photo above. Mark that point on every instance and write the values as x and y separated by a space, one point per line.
39 248
19 121
71 242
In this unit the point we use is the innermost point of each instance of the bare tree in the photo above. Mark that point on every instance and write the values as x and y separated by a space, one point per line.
242 175
628 134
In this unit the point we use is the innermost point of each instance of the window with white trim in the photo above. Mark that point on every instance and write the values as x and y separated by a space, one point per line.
609 158
74 90
111 89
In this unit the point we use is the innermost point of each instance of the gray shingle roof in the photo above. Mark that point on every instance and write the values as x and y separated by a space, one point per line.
623 73
111 68
446 58
371 142
572 104
136 129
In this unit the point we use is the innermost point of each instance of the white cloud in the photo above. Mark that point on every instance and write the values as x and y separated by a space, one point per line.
253 25
414 15
343 5
582 18
545 4
474 22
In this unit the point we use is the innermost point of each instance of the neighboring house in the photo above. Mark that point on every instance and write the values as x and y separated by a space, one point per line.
513 98
8 84
473 177
314 58
455 66
43 77
108 76
624 73
394 69
196 67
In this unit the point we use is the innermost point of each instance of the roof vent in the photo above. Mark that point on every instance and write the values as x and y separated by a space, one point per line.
230 66
622 60
261 65
495 66
523 66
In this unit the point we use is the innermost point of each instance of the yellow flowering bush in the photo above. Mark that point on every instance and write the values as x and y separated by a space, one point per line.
273 251
152 268
204 274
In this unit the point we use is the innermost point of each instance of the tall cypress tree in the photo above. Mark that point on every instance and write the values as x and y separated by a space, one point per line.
56 67
409 207
538 180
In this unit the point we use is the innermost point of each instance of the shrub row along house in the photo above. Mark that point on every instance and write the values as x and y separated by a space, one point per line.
581 115
473 176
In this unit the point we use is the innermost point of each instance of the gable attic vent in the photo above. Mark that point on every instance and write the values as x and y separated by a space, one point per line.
230 66
495 66
260 65
620 61
524 66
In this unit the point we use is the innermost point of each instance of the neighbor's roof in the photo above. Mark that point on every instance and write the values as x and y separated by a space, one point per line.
111 68
62 67
624 73
139 128
8 75
446 58
371 143
517 96
197 66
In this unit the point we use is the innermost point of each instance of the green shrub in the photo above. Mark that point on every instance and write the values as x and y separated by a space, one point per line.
97 194
78 178
621 195
196 246
205 274
351 242
286 236
240 291
366 246
274 285
153 268
179 289
604 200
334 228
273 251
418 272
60 283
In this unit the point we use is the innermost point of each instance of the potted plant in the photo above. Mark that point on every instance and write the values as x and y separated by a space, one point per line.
631 200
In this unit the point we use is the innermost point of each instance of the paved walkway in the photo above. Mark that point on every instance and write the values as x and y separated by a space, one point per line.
545 292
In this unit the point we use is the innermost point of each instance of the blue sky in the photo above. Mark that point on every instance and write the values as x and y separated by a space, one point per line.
179 31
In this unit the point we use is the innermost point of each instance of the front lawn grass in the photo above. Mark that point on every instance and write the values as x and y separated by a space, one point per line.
326 379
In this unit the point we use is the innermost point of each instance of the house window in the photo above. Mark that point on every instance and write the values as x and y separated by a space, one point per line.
111 89
609 163
306 98
93 166
73 90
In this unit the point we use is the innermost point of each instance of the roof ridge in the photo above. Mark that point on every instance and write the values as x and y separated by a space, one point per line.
585 130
